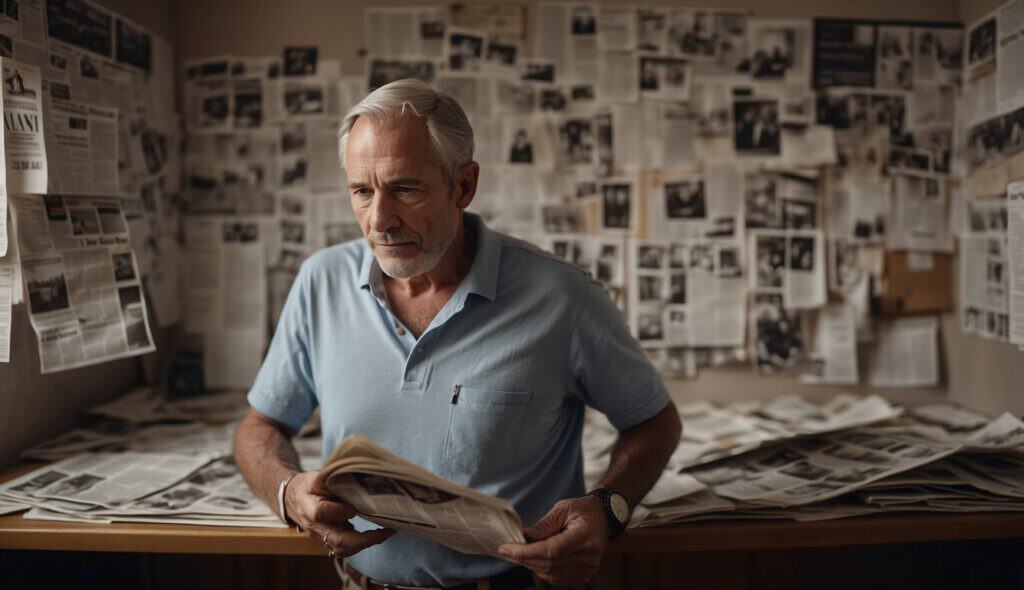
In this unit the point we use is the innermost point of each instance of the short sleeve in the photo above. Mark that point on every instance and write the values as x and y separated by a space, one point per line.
284 390
608 367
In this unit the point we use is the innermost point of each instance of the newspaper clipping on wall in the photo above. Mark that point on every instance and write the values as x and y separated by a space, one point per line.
24 146
84 290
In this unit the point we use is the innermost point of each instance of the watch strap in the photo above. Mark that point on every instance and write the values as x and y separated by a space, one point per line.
605 494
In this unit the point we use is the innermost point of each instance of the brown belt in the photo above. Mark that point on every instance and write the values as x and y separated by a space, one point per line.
517 578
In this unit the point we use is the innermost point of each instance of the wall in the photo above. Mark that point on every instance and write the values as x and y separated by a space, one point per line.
264 28
35 407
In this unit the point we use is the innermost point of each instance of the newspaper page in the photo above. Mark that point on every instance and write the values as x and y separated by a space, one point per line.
102 479
82 138
82 279
686 292
394 493
1015 259
920 215
1009 55
24 144
984 286
226 300
790 263
399 32
812 470
906 353
834 353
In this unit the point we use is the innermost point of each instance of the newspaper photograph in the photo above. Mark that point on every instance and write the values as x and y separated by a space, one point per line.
82 279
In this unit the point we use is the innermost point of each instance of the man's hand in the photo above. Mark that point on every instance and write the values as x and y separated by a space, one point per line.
568 543
325 518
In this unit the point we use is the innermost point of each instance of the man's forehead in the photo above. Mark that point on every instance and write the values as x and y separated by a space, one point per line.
406 137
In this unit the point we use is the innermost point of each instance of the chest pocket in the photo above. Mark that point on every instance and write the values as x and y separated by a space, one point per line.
484 429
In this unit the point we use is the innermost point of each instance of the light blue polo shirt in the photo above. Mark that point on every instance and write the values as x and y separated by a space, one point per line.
527 338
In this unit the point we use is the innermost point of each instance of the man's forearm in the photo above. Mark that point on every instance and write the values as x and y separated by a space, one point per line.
265 456
640 454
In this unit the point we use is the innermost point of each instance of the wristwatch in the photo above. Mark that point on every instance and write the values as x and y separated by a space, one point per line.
616 507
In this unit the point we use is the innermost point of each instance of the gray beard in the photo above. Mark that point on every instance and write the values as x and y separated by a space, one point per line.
425 262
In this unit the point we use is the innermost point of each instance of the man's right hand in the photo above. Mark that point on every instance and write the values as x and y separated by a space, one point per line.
325 518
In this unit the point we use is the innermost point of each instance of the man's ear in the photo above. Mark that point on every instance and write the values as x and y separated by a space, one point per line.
466 183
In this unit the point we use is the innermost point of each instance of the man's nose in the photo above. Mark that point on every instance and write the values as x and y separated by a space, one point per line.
383 217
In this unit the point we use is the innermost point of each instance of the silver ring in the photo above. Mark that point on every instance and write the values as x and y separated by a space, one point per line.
325 540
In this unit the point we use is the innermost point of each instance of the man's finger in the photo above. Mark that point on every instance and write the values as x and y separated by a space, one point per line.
329 511
559 545
551 524
351 542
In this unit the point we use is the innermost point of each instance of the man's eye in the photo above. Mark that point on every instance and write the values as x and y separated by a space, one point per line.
362 192
406 190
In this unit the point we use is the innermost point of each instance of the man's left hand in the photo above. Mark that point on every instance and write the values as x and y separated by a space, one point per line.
566 546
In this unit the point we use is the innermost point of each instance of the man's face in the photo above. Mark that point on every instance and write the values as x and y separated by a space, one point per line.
405 208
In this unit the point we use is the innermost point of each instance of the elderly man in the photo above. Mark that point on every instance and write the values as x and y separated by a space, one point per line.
465 351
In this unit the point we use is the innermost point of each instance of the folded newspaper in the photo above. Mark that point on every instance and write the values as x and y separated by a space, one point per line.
394 493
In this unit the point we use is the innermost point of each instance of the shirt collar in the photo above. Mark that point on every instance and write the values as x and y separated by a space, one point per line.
483 275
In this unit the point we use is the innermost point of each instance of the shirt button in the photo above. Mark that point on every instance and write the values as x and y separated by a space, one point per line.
399 330
419 350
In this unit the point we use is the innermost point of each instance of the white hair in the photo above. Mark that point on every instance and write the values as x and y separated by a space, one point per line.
450 133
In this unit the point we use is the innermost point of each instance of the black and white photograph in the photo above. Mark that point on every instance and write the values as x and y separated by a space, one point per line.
300 61
74 485
562 218
174 499
772 52
423 494
501 56
584 21
294 172
376 485
214 110
730 265
82 24
616 206
799 214
651 30
608 264
770 255
521 150
844 53
39 482
293 232
685 199
514 97
692 33
133 46
801 253
778 343
304 99
553 99
677 287
47 289
248 107
384 71
235 232
539 70
806 470
464 50
134 314
124 268
650 324
576 141
678 256
84 221
895 65
650 256
665 78
981 43
702 257
652 288
756 127
759 201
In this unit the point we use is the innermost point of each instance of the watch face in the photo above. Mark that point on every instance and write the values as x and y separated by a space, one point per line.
620 507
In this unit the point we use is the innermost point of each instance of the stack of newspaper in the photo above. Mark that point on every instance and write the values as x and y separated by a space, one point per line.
147 458
870 460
